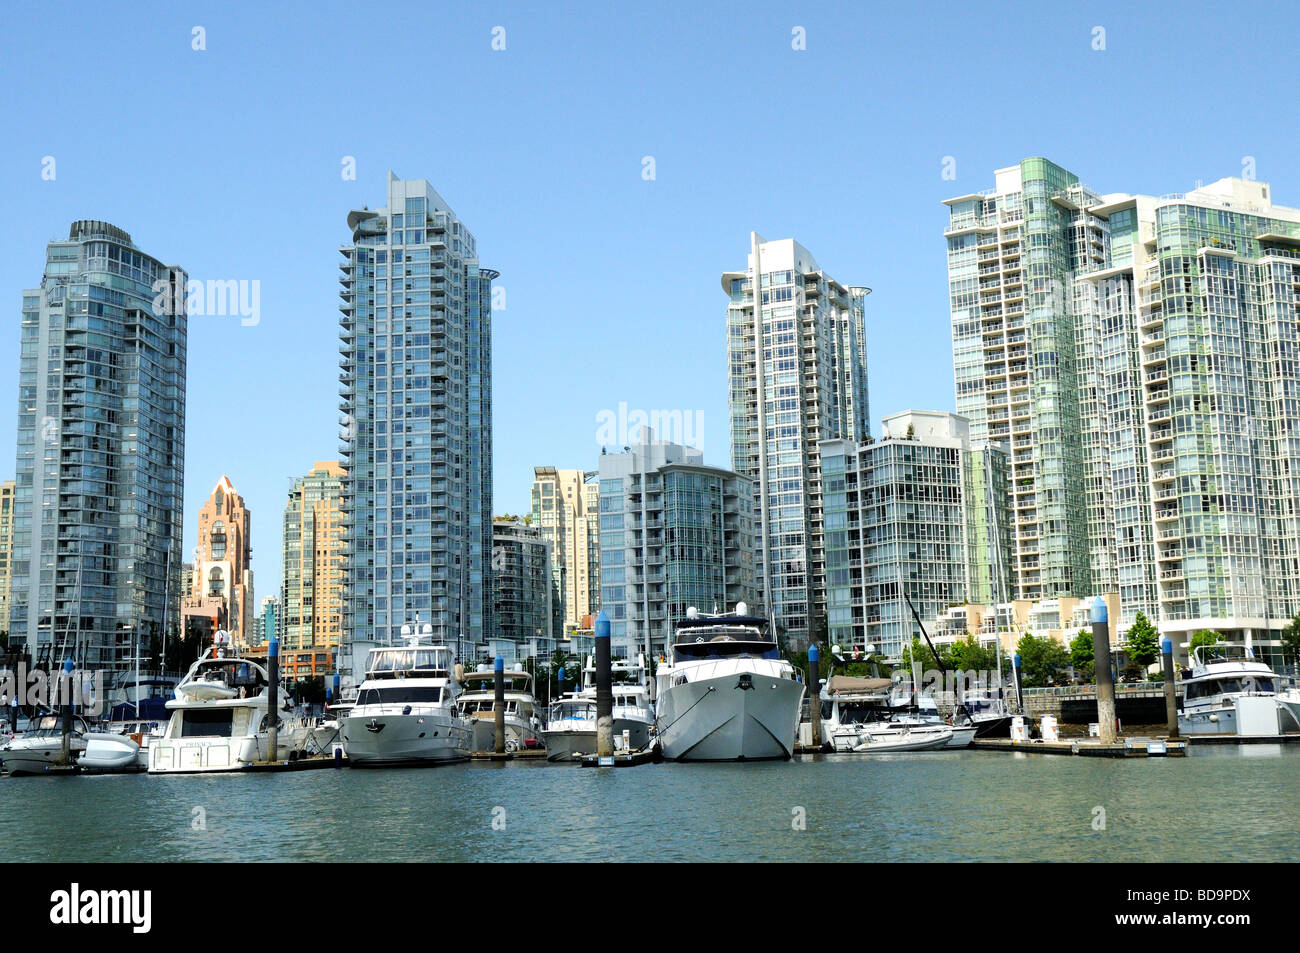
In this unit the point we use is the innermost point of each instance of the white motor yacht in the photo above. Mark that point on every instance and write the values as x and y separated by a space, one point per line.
725 693
478 701
571 721
406 709
1230 692
219 717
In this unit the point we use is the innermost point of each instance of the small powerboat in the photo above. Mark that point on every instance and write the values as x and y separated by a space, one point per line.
888 737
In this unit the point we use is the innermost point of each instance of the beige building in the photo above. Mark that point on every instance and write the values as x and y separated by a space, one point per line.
222 591
312 596
566 509
6 543
1059 619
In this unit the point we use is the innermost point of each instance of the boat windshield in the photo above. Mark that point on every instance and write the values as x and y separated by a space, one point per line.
388 662
720 647
1228 685
232 673
400 695
573 711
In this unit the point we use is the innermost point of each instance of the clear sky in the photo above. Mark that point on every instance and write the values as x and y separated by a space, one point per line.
228 161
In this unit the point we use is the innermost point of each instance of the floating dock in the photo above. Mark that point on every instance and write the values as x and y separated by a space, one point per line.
1090 747
524 754
622 759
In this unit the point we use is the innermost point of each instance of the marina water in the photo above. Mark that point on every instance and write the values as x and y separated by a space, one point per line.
1231 803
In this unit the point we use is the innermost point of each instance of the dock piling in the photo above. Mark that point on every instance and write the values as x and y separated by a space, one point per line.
604 691
1171 690
1101 663
814 695
273 697
65 696
499 705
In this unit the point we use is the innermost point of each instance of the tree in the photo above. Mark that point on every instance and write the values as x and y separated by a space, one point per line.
1142 642
1291 641
1041 660
1081 654
1204 637
967 654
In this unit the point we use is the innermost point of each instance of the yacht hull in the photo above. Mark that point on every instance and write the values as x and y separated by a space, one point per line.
376 740
208 755
485 734
566 745
35 759
739 716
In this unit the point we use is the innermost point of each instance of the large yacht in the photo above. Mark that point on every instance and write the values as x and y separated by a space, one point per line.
1230 692
406 708
571 720
725 693
219 717
478 703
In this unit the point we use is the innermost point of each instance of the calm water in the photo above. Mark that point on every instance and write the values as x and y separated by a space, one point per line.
1222 804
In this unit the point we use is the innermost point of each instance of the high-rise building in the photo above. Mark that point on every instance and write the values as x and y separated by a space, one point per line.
101 451
416 387
312 590
1012 257
522 592
564 509
223 570
259 623
811 385
907 517
1170 409
674 533
6 545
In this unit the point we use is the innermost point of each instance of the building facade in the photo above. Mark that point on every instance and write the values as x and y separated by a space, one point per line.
809 386
565 510
416 388
100 463
900 521
522 592
312 593
674 533
6 546
1174 422
223 566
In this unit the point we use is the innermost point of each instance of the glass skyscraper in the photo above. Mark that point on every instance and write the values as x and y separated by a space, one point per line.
809 386
416 388
101 452
1168 414
911 516
674 533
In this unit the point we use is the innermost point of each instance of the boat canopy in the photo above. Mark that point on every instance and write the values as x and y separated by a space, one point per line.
854 685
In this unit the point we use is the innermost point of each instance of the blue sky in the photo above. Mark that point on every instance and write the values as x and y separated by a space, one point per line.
227 161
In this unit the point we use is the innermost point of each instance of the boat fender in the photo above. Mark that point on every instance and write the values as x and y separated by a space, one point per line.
459 672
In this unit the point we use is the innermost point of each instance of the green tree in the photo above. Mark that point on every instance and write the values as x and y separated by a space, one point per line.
1142 641
1041 660
967 654
1291 641
1204 637
1081 654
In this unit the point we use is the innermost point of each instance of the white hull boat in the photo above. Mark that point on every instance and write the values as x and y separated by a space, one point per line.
219 719
726 695
406 709
40 747
1230 692
900 738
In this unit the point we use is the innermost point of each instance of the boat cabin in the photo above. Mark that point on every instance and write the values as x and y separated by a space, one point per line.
424 661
